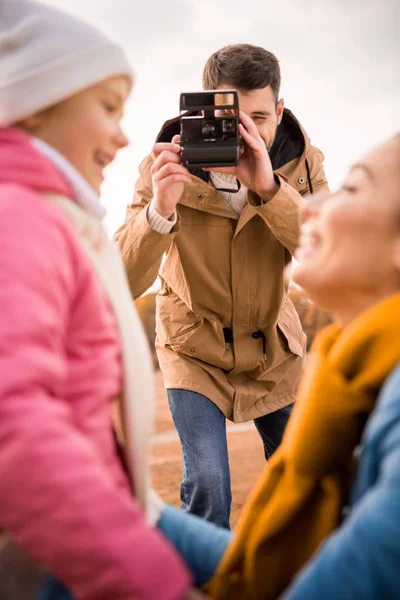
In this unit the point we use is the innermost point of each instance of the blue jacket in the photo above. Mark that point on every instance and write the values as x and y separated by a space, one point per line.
361 559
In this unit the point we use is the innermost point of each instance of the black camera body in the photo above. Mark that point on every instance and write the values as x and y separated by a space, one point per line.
211 138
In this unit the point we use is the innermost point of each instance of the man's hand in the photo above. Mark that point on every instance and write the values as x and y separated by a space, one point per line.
169 177
254 169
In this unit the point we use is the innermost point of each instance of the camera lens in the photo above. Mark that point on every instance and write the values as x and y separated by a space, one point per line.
228 126
208 130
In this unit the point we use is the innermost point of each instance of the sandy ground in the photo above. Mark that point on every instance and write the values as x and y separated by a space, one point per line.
245 454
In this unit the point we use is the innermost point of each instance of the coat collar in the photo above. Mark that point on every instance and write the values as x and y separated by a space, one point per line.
202 195
290 141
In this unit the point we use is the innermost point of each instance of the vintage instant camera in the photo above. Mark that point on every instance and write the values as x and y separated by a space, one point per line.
209 130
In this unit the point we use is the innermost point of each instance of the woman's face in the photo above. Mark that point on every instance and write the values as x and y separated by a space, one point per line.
349 252
86 127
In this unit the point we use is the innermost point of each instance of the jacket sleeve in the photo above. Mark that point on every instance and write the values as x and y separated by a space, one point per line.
57 499
361 559
281 213
142 247
315 160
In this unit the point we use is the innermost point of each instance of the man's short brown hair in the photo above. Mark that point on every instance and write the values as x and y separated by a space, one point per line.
245 67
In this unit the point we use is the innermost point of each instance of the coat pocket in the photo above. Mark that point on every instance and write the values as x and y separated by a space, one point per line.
207 343
188 334
289 326
175 322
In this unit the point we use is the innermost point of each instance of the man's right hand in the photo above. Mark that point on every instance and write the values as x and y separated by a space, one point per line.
169 177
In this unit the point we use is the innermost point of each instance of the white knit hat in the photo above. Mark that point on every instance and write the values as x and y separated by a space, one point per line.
47 56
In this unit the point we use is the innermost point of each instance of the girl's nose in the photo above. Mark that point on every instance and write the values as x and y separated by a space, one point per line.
121 139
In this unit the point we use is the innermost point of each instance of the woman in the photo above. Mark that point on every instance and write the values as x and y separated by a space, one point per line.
68 332
349 264
345 430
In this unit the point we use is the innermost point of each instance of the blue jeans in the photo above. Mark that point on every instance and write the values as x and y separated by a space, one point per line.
206 487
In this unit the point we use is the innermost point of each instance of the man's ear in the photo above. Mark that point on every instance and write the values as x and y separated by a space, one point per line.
279 109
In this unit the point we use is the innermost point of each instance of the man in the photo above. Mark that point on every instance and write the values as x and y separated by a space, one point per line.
229 341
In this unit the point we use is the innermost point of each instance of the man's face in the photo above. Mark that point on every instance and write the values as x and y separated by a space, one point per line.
261 106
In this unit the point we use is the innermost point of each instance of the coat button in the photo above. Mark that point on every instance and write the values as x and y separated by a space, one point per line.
192 349
301 180
200 196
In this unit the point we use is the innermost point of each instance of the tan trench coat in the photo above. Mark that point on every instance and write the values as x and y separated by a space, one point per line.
223 273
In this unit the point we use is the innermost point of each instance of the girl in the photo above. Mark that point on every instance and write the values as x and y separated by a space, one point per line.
68 332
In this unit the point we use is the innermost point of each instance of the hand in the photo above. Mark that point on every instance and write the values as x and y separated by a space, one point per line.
194 594
254 169
169 177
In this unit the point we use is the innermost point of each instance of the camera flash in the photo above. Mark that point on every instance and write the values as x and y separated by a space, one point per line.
224 99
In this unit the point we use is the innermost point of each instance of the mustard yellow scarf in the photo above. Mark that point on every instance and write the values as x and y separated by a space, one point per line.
298 501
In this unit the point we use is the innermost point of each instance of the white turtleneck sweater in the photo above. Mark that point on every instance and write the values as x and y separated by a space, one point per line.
86 197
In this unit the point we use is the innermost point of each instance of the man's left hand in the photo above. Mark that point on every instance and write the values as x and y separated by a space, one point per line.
254 169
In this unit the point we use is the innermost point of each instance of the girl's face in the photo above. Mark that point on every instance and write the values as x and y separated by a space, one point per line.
86 127
349 253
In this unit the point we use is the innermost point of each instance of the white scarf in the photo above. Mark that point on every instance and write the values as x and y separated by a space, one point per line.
137 403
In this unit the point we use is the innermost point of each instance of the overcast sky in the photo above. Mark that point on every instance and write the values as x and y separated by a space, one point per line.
339 61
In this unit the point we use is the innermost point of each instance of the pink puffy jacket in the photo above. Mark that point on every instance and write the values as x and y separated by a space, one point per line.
64 496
